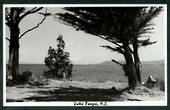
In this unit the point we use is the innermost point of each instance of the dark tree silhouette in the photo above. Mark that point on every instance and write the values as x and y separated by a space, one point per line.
125 27
13 17
58 62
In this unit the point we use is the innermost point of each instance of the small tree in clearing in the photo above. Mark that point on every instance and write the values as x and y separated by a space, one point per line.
58 62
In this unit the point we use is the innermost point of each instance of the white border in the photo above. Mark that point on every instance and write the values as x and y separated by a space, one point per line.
165 55
4 58
71 103
81 5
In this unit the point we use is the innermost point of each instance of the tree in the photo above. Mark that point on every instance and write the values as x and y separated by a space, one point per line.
13 17
58 62
125 27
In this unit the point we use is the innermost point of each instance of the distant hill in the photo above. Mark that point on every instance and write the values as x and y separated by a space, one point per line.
154 62
144 62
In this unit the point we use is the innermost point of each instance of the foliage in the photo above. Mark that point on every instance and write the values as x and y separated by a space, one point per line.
125 27
58 62
114 24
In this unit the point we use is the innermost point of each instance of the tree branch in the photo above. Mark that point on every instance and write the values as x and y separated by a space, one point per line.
7 39
34 27
117 62
34 10
118 49
111 41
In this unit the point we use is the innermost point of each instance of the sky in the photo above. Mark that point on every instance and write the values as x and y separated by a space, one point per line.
83 48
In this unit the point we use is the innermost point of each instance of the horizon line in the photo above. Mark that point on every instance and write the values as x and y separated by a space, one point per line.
97 63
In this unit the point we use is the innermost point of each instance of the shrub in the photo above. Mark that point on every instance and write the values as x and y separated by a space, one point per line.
160 83
24 77
20 79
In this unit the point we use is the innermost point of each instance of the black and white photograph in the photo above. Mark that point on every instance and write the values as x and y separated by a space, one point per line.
84 55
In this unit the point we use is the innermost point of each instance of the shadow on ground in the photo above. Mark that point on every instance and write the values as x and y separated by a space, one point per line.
78 94
74 94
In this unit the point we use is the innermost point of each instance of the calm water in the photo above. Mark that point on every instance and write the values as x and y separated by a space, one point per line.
99 72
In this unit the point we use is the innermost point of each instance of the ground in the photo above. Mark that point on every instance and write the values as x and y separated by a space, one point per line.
54 90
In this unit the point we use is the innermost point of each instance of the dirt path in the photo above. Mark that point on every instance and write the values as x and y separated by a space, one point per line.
74 90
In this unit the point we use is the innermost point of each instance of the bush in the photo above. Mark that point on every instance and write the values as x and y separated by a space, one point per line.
160 83
24 77
20 79
150 82
156 83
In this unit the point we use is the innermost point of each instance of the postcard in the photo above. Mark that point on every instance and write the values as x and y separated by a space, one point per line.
84 55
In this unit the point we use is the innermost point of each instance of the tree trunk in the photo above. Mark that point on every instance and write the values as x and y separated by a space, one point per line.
138 65
130 68
13 63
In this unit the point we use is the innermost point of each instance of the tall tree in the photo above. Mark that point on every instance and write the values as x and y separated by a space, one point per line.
13 17
124 27
58 62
